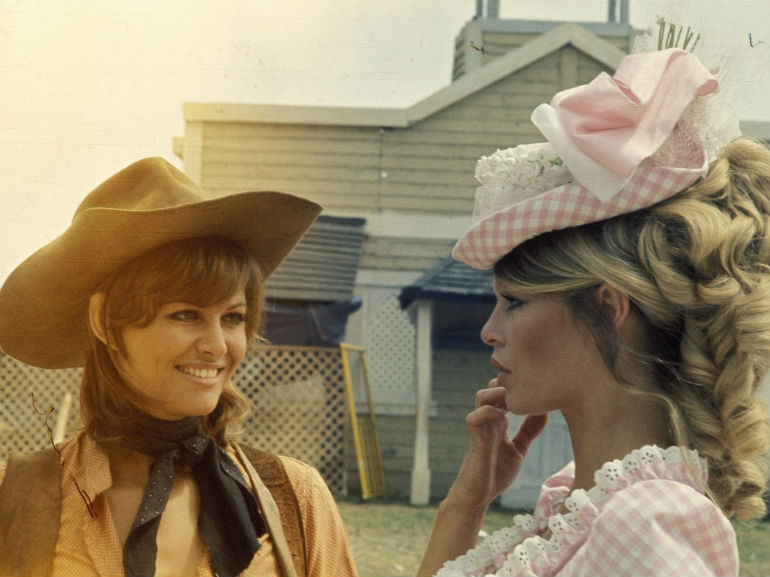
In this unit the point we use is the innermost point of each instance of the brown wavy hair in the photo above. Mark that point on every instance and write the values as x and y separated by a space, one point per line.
697 266
201 271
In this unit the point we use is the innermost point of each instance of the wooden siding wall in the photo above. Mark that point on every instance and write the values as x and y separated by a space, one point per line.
337 166
427 168
457 375
403 254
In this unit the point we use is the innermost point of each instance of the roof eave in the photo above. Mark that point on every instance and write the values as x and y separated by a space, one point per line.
287 114
540 46
477 80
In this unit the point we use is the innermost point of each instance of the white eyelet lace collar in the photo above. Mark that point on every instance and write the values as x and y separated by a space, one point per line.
523 550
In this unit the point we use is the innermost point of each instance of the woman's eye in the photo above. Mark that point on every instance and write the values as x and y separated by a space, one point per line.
184 315
235 319
511 302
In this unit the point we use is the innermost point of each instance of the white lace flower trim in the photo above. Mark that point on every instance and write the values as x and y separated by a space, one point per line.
519 562
647 463
519 551
512 175
491 552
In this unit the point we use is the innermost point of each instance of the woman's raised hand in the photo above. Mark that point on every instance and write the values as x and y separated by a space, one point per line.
492 460
491 463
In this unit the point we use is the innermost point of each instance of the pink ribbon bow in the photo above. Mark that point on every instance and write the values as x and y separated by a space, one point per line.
603 130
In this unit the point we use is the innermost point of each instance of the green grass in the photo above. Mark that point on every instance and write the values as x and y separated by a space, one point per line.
754 547
389 537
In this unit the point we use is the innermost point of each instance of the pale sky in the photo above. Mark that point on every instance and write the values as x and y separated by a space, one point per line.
88 86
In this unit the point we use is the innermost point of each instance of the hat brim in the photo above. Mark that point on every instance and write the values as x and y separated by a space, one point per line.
495 235
44 302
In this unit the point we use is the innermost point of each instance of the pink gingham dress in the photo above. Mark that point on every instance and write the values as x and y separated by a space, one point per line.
645 516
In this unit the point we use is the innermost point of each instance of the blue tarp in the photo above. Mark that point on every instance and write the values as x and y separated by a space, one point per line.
308 323
450 280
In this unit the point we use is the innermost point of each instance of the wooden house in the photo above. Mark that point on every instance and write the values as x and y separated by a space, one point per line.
409 174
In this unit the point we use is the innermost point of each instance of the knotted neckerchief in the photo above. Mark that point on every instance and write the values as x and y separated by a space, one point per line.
229 521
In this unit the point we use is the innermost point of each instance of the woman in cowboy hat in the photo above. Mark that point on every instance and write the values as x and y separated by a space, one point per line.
631 268
156 292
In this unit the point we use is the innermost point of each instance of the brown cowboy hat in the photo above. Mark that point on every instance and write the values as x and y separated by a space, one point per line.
44 302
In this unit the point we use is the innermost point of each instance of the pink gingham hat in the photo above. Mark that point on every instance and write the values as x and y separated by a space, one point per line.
615 145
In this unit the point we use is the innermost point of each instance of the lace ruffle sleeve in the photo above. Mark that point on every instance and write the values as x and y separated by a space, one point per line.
657 527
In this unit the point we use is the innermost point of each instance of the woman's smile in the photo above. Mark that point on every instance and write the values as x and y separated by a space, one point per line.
201 373
182 360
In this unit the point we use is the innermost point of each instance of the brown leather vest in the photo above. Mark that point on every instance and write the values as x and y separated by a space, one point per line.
30 508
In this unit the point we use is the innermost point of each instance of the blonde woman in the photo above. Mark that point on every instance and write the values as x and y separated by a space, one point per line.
631 257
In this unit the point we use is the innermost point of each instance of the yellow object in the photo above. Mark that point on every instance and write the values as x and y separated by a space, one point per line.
365 438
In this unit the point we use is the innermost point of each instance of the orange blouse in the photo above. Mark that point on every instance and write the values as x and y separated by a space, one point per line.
89 547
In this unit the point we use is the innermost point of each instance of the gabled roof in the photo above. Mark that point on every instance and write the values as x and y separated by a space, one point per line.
476 80
515 60
450 280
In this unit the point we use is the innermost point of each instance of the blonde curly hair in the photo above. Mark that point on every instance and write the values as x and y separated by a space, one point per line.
697 266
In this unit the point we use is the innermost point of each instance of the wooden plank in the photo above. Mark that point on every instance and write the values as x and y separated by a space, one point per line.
569 68
288 131
462 152
488 106
301 185
453 127
260 144
220 172
417 154
227 161
589 68
396 264
416 179
400 245
324 193
439 205
526 131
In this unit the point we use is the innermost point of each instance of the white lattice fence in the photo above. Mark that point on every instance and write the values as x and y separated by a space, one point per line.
390 338
21 429
298 406
297 396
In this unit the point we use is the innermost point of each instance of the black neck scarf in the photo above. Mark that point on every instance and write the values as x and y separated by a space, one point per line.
229 521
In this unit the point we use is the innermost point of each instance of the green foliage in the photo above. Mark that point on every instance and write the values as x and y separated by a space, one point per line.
671 37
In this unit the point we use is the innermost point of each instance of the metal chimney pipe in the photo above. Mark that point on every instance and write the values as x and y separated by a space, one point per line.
612 11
